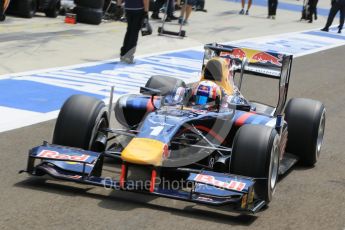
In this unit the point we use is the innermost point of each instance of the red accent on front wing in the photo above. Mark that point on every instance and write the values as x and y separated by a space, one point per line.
153 180
123 175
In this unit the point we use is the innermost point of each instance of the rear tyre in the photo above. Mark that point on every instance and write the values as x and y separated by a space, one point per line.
88 15
27 8
255 153
306 121
80 120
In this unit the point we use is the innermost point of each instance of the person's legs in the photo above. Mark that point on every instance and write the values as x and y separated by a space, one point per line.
311 11
248 7
249 4
182 13
134 25
333 11
189 9
158 4
315 9
342 15
275 5
242 10
272 8
124 48
270 11
186 11
2 10
171 10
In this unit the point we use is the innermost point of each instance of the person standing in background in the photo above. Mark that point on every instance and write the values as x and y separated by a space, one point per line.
136 11
186 11
312 10
248 7
3 6
272 8
2 10
156 7
337 5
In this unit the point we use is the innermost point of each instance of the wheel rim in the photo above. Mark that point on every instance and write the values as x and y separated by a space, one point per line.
102 124
274 164
320 134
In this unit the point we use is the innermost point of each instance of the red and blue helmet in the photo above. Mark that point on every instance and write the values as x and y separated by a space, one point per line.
207 92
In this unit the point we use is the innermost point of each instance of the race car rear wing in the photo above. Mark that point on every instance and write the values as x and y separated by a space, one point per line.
255 62
262 63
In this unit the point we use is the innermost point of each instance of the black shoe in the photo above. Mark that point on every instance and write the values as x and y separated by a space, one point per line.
155 16
168 19
315 17
324 29
310 21
339 31
172 17
127 60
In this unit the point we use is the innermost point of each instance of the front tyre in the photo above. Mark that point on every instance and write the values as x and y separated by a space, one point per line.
255 153
306 121
80 120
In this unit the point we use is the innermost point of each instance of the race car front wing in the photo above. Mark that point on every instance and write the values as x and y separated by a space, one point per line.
205 187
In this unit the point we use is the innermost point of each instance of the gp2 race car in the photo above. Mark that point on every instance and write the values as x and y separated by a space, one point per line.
228 155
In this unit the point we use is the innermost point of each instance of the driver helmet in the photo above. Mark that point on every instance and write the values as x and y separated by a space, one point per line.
207 93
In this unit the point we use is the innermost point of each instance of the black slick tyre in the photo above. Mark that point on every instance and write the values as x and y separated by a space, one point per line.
306 121
79 121
255 153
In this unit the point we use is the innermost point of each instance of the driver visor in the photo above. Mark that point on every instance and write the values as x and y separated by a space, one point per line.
201 100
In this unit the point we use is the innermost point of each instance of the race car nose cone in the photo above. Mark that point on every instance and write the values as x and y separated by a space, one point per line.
144 151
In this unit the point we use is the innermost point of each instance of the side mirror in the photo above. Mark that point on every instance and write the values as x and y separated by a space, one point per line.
150 91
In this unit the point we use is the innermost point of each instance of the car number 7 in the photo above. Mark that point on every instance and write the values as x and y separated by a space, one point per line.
156 130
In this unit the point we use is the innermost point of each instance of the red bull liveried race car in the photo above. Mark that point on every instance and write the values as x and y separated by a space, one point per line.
204 143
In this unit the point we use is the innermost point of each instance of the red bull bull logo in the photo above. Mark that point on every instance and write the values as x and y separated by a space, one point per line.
238 54
264 57
235 54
